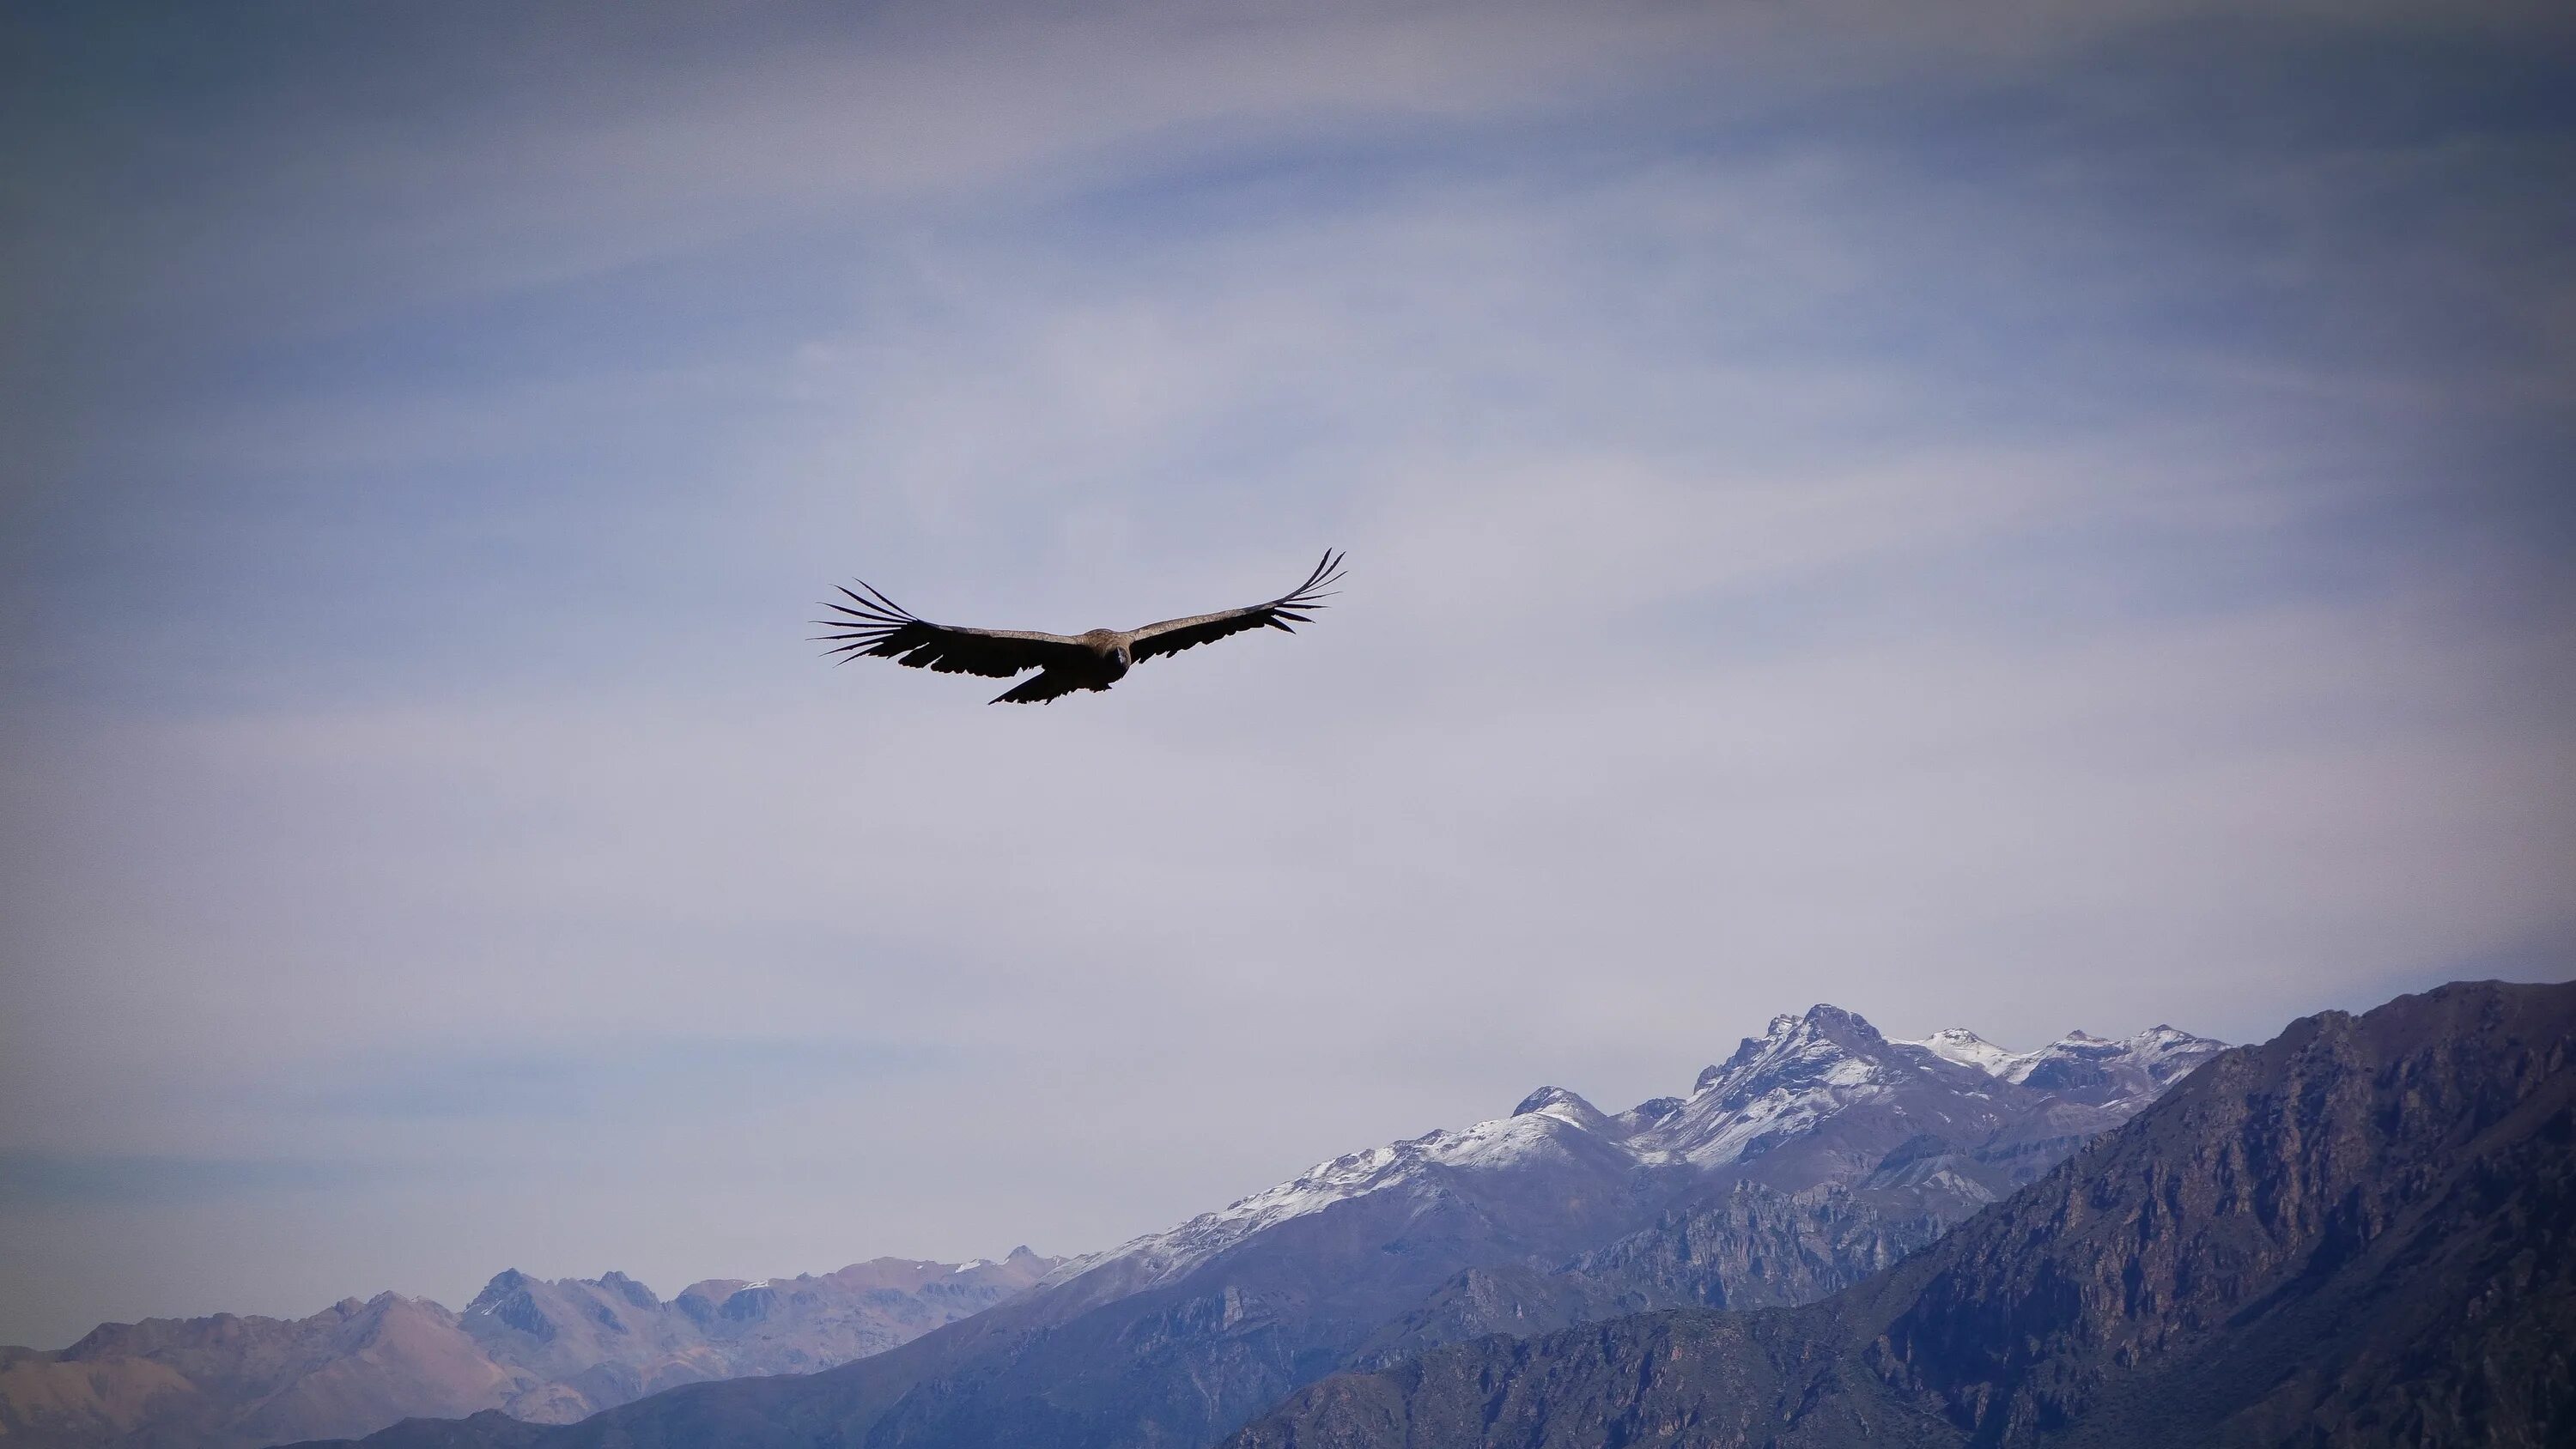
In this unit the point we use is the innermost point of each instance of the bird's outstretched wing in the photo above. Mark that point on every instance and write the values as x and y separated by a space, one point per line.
1174 635
877 625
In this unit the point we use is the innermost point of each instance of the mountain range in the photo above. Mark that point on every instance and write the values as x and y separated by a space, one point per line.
537 1350
2360 1233
1813 1157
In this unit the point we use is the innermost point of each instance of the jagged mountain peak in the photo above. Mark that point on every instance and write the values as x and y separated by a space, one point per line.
628 1289
1825 1016
506 1284
1825 1081
517 1299
1826 1045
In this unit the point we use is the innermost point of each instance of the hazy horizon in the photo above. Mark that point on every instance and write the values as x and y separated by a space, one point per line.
2025 521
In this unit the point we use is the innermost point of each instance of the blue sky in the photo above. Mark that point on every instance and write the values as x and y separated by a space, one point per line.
2014 520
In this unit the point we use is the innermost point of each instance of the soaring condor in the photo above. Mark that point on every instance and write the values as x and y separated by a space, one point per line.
872 624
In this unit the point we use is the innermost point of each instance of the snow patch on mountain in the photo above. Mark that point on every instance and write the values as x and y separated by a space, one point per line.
1486 1146
1786 1087
2127 1073
1958 1044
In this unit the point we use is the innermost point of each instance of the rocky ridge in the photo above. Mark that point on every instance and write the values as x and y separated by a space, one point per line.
550 1351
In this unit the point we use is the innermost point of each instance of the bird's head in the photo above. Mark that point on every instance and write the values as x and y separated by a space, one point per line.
1119 655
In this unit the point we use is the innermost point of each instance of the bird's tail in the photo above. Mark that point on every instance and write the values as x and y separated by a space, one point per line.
1040 688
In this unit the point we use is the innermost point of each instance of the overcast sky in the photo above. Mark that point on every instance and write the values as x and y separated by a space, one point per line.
2026 517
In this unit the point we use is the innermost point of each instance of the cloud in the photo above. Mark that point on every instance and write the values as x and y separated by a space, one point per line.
662 1078
37 1180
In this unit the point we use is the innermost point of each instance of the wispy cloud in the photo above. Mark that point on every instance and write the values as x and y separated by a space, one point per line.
662 1079
40 1180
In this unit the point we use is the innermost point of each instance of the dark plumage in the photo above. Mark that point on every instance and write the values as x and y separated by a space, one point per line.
873 624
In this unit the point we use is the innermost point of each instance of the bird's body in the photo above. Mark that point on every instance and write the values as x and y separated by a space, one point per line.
875 625
1107 662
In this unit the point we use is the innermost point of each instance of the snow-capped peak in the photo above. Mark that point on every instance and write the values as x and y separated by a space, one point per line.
1828 1044
1958 1044
2080 1065
2171 1051
1564 1106
1778 1089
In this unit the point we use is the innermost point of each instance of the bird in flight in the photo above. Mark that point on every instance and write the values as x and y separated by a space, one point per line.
872 624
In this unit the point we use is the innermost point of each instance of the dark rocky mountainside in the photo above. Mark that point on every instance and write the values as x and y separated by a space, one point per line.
1813 1156
538 1350
1750 1247
2360 1233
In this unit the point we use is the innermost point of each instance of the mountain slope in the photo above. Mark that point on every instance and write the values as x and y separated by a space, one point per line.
1843 1147
1751 1247
547 1351
2362 1232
